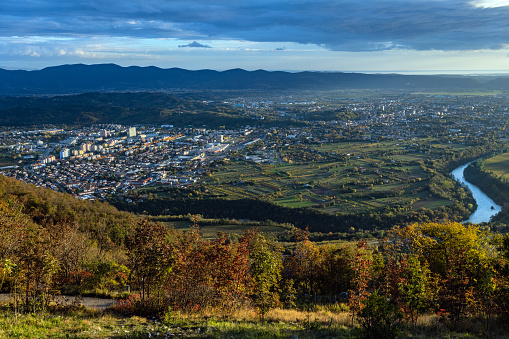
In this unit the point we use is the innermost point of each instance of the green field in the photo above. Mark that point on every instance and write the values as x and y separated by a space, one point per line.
474 93
211 231
499 165
337 177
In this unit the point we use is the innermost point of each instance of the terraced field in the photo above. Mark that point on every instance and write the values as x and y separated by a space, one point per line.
339 177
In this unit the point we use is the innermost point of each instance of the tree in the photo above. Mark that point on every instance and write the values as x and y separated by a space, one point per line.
150 255
302 267
417 289
334 274
34 270
458 257
207 274
379 318
265 265
359 293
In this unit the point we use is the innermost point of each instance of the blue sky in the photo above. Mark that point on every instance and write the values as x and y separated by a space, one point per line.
436 36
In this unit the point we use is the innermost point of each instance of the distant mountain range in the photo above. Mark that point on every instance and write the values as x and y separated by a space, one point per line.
81 78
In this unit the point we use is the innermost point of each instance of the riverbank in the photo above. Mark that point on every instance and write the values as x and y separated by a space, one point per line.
486 207
487 182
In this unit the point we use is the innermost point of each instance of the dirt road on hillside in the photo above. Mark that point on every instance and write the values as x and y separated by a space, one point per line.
98 304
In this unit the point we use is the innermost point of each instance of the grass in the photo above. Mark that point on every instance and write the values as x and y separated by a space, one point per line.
210 231
320 321
323 322
83 324
499 165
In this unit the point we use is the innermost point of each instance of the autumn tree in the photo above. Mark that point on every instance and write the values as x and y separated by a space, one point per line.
335 273
458 256
35 268
150 256
302 267
207 273
359 292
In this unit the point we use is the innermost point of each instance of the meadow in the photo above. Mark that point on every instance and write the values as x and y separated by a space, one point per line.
210 228
499 166
322 322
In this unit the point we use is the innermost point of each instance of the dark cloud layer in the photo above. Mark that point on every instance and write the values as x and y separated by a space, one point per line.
346 25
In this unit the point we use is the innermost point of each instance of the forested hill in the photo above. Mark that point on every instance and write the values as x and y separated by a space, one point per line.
121 108
22 204
110 77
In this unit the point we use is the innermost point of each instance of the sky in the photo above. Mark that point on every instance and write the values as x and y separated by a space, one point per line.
403 36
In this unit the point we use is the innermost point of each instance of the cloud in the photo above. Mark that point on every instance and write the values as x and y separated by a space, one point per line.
195 44
338 25
490 3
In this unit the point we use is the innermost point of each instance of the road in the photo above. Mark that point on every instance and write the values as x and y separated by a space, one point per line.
92 303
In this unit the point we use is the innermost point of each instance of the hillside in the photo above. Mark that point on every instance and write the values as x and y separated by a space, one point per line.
99 222
121 108
80 78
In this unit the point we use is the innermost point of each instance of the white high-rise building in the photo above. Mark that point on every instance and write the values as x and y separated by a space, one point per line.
64 153
85 147
131 133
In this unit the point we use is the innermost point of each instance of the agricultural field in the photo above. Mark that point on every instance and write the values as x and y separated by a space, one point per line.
499 166
210 230
8 160
466 93
336 177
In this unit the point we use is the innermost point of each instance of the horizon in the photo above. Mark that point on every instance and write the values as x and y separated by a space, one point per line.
412 37
399 72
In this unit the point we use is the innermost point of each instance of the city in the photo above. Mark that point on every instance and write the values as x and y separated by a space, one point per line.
101 160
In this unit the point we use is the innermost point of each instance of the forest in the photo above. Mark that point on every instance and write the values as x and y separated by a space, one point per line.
120 108
451 274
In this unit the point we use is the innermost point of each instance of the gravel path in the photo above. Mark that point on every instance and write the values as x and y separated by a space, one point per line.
92 303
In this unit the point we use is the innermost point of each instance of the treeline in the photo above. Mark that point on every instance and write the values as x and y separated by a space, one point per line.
458 272
120 108
481 148
453 271
316 220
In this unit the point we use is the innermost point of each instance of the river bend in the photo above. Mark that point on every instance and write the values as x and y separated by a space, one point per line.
486 208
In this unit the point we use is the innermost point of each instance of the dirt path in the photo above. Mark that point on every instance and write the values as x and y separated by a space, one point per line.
89 302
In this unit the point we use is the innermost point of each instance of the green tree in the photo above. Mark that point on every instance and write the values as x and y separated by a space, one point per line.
379 318
265 265
416 289
458 257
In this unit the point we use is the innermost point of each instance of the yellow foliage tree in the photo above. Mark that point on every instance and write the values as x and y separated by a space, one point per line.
459 256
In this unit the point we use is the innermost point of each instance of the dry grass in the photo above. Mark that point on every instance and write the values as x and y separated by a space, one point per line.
324 321
296 316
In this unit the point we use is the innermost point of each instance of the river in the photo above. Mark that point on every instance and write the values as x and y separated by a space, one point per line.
486 208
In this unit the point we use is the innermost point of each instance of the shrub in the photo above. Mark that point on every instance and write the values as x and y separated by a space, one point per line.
379 318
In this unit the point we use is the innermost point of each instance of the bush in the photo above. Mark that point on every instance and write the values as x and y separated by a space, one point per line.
379 318
135 305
